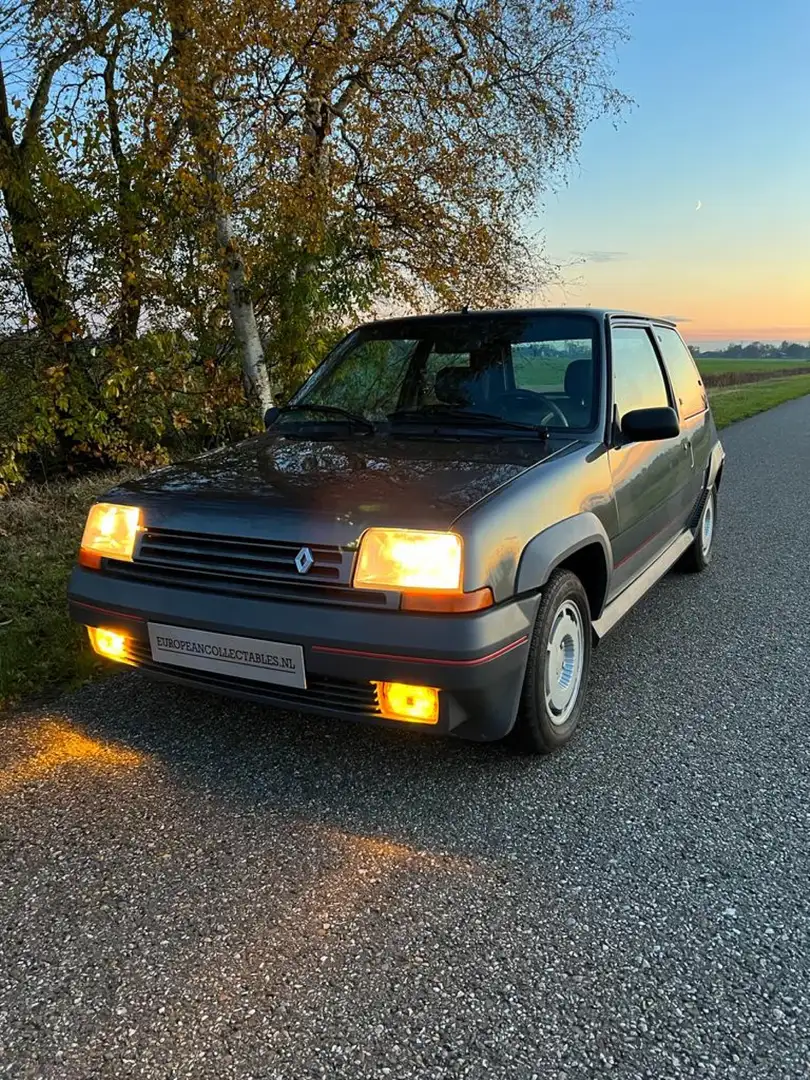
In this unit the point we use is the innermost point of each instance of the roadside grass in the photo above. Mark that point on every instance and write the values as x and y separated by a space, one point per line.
738 402
721 379
40 528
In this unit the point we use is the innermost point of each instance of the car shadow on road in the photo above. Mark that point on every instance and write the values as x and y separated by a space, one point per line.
436 794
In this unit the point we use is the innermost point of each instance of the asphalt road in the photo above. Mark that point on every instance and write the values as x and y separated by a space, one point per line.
193 888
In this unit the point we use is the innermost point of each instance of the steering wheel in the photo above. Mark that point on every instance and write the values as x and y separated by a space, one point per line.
534 398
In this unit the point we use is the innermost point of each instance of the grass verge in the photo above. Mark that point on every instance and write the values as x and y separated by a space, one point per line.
738 402
40 530
40 648
739 378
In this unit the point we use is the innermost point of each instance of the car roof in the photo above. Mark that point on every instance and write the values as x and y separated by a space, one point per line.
484 313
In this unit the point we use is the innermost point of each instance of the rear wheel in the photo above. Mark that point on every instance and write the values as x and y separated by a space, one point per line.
697 557
557 668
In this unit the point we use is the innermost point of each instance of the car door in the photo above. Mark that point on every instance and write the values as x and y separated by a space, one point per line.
648 477
693 409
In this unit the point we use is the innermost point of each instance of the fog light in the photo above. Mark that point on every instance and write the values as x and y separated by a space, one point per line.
108 643
417 704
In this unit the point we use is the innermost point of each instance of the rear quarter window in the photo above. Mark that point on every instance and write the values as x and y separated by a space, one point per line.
683 373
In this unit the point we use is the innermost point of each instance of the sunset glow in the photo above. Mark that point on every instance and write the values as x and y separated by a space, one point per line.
625 230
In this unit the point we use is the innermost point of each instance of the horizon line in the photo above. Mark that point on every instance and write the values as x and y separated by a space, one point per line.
765 334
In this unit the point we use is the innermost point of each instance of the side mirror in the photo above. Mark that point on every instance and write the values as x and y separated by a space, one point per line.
270 415
649 425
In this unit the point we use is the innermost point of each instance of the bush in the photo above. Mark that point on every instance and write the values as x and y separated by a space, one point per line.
81 406
40 529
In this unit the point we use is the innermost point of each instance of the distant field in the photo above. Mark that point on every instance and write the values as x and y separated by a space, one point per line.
708 366
547 373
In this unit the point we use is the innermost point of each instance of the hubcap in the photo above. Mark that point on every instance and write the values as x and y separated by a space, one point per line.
707 527
565 655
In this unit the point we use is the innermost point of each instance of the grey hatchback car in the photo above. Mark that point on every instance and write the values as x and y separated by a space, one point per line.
434 531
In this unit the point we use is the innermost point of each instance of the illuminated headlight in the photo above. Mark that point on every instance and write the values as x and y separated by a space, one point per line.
409 559
110 533
413 704
108 643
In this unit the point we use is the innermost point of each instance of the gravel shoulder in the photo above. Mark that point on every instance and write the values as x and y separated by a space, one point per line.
192 888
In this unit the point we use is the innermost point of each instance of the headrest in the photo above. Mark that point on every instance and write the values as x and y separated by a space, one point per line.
579 379
456 386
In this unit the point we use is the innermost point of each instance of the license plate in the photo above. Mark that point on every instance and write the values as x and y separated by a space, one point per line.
227 654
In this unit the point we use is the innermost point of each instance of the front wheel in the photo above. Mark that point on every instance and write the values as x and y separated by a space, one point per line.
698 556
557 668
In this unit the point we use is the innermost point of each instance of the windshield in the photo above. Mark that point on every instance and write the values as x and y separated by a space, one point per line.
532 369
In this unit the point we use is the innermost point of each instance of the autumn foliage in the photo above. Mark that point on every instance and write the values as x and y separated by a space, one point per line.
198 194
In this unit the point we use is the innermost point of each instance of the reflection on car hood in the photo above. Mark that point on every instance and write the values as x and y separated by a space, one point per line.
359 481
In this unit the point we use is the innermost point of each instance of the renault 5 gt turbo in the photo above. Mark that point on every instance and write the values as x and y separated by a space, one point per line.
434 531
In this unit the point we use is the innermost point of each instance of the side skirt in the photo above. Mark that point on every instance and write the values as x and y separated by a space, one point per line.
630 596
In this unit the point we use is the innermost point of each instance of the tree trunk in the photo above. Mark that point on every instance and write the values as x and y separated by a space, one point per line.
243 316
202 121
127 317
44 285
129 213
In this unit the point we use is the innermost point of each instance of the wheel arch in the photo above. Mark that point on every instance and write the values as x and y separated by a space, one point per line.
579 544
717 462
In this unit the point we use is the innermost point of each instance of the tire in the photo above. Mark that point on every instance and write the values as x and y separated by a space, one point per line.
549 711
698 556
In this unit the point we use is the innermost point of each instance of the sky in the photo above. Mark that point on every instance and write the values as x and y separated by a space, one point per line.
721 118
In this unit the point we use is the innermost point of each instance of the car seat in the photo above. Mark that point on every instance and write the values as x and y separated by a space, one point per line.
460 387
579 390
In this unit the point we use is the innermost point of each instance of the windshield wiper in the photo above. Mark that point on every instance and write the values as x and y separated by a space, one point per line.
461 418
334 412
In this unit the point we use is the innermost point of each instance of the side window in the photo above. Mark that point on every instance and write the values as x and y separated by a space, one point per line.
638 382
683 374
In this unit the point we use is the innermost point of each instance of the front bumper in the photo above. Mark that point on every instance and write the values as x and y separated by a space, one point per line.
477 661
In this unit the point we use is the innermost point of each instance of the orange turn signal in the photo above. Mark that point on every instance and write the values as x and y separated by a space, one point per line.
458 602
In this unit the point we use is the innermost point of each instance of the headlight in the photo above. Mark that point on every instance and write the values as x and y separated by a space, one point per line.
110 533
409 559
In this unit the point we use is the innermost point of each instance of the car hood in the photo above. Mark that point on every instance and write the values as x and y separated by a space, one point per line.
331 490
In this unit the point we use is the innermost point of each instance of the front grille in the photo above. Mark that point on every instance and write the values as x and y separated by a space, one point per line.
252 560
237 566
322 692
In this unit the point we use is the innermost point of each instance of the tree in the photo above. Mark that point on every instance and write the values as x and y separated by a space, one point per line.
192 182
199 64
55 37
411 139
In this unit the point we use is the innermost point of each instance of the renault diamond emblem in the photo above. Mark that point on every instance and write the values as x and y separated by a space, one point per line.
304 560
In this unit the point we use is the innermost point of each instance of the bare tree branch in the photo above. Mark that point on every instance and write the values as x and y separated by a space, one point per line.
6 129
359 78
53 64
